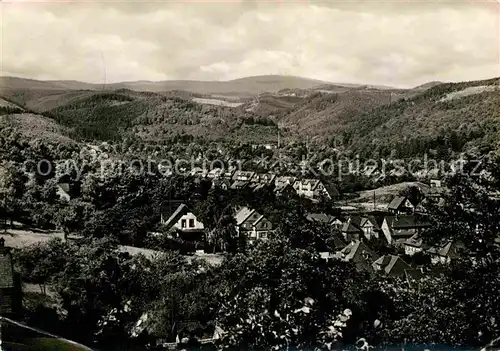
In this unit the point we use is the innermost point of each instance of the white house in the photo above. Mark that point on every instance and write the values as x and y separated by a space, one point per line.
184 222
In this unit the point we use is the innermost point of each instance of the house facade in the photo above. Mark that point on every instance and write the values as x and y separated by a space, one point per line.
314 189
370 227
401 205
397 229
252 225
185 223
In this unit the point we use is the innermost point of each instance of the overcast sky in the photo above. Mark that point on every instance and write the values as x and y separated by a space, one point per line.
398 43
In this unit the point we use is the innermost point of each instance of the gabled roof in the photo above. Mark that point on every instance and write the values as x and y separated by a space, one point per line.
256 186
320 217
391 264
331 189
414 241
339 243
6 270
238 184
220 182
369 219
279 187
178 213
449 249
243 174
357 251
312 182
397 202
350 228
243 214
264 177
284 180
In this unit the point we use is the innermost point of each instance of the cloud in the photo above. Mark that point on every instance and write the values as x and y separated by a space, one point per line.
398 43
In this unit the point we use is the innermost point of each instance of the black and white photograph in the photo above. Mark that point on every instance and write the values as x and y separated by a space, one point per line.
313 175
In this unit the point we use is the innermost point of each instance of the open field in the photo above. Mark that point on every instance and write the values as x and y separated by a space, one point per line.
18 238
384 195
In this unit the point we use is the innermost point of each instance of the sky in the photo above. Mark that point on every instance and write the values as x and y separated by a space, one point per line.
398 43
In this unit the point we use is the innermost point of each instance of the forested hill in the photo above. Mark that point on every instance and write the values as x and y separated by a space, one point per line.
446 118
374 121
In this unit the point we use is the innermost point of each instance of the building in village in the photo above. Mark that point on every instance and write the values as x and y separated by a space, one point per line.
397 229
185 223
358 253
393 265
252 225
351 229
401 205
315 189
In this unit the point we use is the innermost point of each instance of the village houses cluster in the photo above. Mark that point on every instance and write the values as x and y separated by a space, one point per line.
400 226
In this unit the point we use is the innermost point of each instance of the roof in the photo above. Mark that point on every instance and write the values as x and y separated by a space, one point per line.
243 214
405 222
370 219
312 182
278 187
349 227
338 242
220 182
448 249
396 203
391 264
415 241
238 184
64 190
357 251
174 217
264 177
284 180
256 186
331 189
6 270
320 217
243 175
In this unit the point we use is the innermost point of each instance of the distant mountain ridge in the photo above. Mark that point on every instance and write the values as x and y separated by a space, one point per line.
364 119
244 87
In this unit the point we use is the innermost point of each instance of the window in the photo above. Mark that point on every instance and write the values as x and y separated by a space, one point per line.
263 235
183 223
264 225
191 223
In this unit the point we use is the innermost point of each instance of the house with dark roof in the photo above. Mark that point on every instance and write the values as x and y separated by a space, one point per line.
256 186
185 223
413 245
314 189
370 227
397 229
320 218
351 229
239 184
243 176
10 288
264 178
445 252
215 173
358 253
284 189
221 183
393 265
400 204
252 225
284 180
